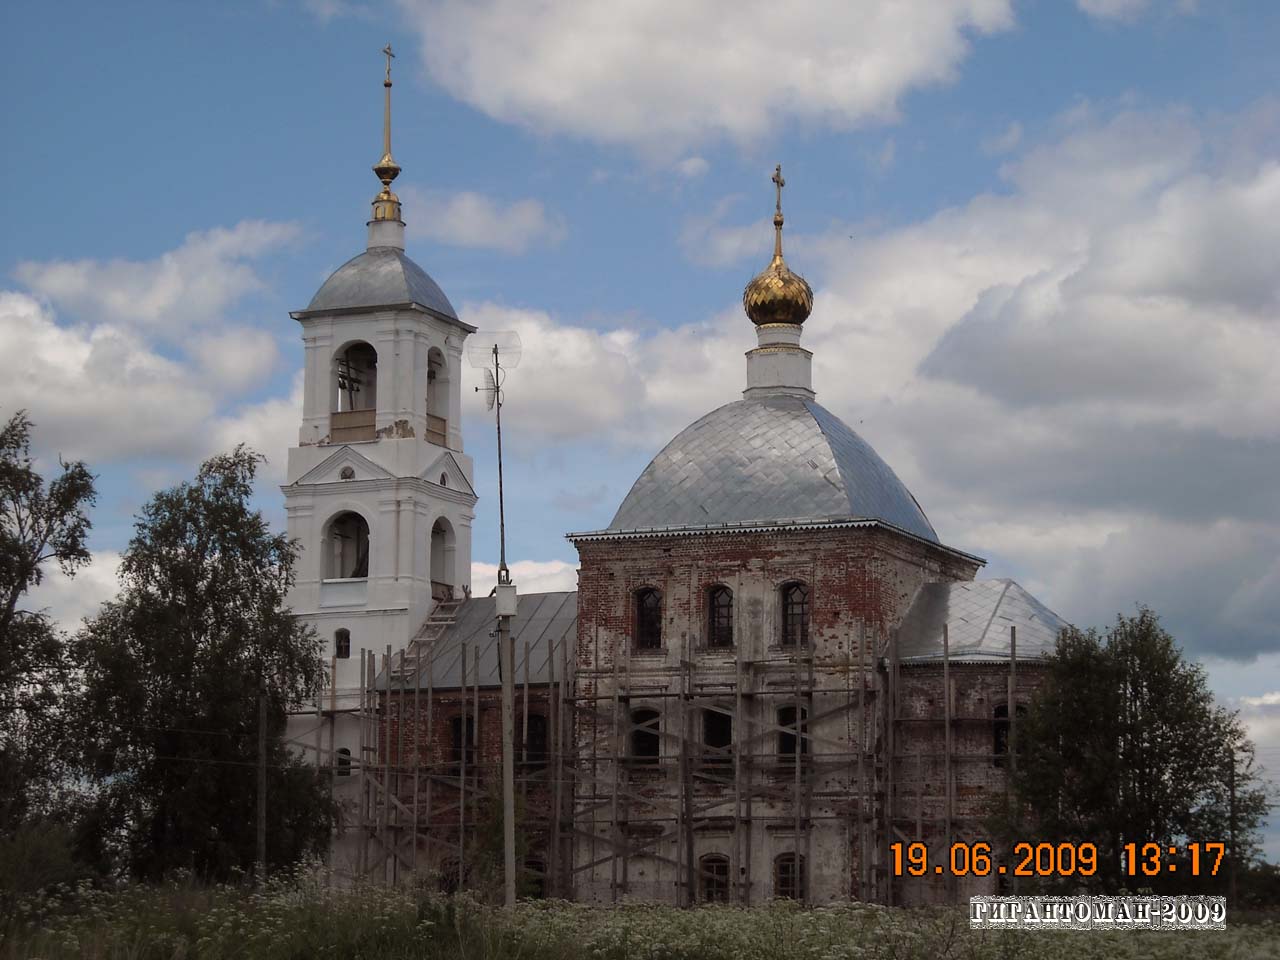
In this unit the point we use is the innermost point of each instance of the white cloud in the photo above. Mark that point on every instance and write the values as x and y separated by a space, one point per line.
664 75
97 393
1075 376
468 219
692 167
153 368
167 297
269 427
529 576
68 600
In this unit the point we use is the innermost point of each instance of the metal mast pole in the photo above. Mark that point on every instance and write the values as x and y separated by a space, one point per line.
505 604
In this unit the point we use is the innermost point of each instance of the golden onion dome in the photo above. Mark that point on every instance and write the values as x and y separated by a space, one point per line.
777 294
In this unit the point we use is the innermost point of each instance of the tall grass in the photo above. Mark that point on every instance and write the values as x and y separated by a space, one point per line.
301 918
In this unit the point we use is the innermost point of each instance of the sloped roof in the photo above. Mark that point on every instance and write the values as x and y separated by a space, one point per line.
978 615
546 620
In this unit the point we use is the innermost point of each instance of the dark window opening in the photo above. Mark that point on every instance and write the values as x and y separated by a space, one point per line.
717 736
648 619
348 547
713 878
344 762
787 736
462 747
1000 733
533 751
788 877
720 617
795 615
645 742
342 644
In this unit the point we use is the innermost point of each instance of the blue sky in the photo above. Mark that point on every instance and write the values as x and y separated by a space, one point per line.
1044 237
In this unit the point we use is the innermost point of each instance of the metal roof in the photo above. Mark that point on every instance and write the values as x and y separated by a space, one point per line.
771 459
978 615
381 276
545 620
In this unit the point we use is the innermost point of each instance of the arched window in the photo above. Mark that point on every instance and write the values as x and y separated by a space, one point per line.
344 762
720 617
348 553
342 644
713 878
534 749
788 876
1000 733
717 737
462 744
437 398
443 553
648 619
646 745
356 378
787 735
795 615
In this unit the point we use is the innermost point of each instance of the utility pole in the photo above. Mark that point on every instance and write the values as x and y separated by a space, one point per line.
503 353
262 782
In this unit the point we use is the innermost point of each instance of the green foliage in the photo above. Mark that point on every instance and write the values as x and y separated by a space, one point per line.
1124 744
299 918
173 669
40 524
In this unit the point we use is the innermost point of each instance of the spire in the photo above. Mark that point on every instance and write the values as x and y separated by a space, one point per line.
776 294
386 229
386 205
778 301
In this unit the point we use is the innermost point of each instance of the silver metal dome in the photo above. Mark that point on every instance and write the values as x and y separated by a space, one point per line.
773 459
379 277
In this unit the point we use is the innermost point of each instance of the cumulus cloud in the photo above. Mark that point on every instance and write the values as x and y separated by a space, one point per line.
529 576
167 297
468 219
1075 375
692 167
97 393
68 600
148 365
270 427
664 75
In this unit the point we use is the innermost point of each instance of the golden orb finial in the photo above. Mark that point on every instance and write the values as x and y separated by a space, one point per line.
386 205
776 294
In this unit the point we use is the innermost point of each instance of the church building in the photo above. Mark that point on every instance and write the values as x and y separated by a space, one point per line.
774 676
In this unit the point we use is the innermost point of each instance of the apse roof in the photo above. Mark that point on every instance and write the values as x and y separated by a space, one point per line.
772 459
381 276
978 615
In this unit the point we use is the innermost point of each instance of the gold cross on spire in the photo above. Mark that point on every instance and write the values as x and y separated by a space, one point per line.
386 206
779 183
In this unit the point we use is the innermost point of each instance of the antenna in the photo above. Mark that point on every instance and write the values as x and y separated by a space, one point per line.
496 352
490 389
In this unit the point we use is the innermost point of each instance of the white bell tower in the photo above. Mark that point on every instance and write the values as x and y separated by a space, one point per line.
379 492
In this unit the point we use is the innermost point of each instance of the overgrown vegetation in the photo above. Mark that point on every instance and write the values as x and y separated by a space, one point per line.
1123 744
130 749
300 918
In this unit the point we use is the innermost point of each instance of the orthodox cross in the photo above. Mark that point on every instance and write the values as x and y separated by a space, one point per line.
387 50
780 183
